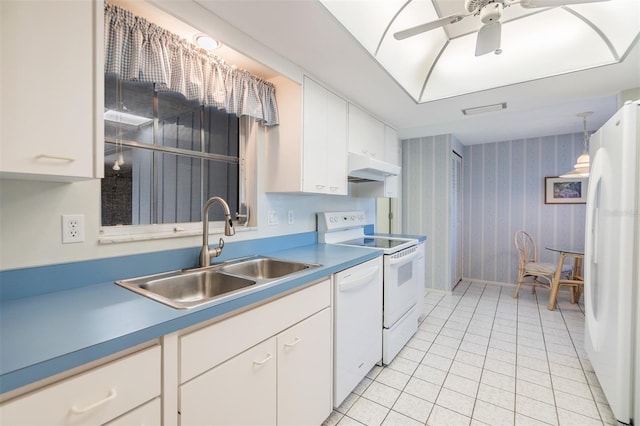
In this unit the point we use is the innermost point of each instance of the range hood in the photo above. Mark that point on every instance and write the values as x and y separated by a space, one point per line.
365 169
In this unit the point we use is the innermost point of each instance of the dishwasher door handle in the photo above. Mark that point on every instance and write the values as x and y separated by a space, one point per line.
358 282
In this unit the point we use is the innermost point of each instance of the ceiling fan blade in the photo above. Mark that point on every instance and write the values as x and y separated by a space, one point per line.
410 32
554 3
488 40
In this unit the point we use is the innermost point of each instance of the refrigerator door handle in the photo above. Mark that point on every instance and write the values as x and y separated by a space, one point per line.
591 246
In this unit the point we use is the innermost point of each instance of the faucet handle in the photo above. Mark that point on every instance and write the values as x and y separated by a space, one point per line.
215 252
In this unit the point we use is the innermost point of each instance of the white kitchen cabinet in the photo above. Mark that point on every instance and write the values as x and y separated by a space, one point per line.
148 414
304 371
269 365
94 397
366 134
390 187
241 391
307 152
52 90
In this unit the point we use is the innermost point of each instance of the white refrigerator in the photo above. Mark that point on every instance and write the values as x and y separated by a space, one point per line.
612 262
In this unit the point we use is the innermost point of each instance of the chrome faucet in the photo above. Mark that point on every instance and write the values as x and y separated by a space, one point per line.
206 253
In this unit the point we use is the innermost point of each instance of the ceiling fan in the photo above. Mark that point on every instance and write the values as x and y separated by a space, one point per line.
490 12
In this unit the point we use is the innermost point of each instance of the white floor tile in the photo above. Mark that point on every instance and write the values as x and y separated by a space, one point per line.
397 419
403 365
535 391
423 389
382 394
481 357
583 406
570 418
536 410
413 407
368 412
492 414
496 396
501 381
348 421
470 358
412 354
533 376
436 361
466 370
430 374
441 416
461 384
455 401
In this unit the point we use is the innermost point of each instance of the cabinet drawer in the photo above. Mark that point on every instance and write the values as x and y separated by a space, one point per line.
148 414
209 346
93 397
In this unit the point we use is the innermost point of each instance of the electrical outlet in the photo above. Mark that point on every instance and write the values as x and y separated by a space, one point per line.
272 218
72 228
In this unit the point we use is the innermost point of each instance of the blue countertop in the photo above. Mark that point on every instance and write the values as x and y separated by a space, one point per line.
45 334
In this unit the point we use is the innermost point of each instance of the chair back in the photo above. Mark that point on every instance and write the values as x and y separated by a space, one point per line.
525 247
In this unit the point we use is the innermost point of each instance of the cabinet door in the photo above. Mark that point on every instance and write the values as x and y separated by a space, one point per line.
304 371
314 178
366 134
241 391
50 89
391 144
336 145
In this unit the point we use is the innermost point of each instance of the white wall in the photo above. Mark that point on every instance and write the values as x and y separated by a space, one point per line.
30 220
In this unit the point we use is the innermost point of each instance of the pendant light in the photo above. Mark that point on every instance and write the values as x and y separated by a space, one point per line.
581 168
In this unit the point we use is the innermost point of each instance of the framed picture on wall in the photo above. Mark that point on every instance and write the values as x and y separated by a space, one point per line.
560 190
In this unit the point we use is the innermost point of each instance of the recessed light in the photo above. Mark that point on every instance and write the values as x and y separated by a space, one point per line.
206 42
485 108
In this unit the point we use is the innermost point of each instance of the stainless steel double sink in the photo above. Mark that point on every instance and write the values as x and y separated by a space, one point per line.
184 289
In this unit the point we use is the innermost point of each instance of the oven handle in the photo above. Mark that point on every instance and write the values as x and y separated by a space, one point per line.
361 281
403 259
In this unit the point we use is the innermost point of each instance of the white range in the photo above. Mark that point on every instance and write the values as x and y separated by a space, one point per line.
402 274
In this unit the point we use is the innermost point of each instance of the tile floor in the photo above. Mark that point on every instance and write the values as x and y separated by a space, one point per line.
481 357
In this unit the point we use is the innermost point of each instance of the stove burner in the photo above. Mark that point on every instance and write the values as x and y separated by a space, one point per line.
383 243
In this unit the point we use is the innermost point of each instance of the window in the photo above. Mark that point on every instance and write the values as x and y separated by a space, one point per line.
165 156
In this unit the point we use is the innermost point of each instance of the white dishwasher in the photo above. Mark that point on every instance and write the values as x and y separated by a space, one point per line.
357 325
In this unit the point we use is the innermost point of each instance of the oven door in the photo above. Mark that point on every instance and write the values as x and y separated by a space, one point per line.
401 280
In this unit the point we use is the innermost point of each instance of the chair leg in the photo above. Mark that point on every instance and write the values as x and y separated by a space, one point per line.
520 281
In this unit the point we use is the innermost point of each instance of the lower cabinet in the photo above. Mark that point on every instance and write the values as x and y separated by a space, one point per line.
241 391
121 392
284 379
305 372
268 365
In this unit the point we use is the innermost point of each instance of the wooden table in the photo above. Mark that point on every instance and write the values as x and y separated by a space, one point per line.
575 279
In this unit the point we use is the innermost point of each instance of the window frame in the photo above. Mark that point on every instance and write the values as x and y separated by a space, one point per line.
140 232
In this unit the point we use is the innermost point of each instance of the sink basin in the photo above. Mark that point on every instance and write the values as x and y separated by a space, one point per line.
187 289
266 267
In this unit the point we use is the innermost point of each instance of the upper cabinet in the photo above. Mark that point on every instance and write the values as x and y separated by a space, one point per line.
52 90
307 152
366 133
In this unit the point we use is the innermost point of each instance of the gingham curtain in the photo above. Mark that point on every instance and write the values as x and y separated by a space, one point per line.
136 49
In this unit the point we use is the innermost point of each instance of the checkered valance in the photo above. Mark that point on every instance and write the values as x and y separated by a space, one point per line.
136 49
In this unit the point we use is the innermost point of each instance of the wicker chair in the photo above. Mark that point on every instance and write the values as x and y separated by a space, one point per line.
528 265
